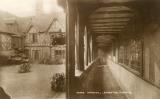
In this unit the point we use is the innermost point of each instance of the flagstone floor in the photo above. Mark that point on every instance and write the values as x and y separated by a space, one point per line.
32 85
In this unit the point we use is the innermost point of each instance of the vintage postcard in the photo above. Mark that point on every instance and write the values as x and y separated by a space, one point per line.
79 49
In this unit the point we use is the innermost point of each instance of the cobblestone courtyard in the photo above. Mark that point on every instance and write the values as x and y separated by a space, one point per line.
32 85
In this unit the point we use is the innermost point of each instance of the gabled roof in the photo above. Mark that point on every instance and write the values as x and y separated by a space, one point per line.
23 24
33 29
3 26
56 27
50 25
45 22
42 23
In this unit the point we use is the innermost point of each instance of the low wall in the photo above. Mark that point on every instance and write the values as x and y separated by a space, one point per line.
84 75
139 88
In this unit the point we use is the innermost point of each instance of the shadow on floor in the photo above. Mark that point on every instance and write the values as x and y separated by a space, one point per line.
99 83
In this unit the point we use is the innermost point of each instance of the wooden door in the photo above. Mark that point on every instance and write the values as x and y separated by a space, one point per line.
36 56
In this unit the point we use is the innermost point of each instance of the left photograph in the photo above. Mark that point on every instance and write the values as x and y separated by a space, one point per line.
32 49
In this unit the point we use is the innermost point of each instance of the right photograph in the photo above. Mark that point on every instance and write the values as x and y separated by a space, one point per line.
112 49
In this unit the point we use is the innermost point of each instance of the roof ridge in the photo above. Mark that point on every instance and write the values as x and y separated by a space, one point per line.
53 20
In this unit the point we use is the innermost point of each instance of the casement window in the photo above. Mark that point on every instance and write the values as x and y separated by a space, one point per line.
130 55
34 37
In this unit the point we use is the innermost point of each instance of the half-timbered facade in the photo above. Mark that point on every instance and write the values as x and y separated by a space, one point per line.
10 38
39 41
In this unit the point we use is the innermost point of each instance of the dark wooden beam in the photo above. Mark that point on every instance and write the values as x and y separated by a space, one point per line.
107 40
81 44
104 28
119 23
109 27
113 9
104 36
102 39
109 30
110 20
105 33
113 29
99 34
104 43
106 15
102 1
109 24
113 12
70 60
107 45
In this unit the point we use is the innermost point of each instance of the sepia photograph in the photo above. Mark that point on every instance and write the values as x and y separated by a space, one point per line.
79 49
32 49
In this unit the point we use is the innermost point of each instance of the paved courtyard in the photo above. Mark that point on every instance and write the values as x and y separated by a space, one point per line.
32 85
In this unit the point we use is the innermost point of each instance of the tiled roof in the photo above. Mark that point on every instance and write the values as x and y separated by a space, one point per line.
22 24
41 22
3 26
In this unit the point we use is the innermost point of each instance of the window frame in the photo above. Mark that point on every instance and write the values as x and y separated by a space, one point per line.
125 52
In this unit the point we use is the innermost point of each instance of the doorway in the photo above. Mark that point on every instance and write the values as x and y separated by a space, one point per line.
36 56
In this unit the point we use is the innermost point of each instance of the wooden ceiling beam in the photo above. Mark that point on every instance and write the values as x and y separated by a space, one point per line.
118 26
105 33
104 42
112 12
119 23
103 39
93 28
107 45
102 1
113 8
104 45
109 24
106 29
110 20
106 37
106 15
111 30
107 40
